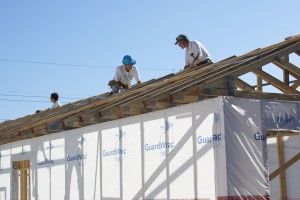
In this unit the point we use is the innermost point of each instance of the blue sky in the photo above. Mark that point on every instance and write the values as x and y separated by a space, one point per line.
100 33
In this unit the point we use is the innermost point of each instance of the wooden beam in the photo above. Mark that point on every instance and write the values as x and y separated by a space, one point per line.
131 110
286 165
286 77
259 82
41 130
275 82
243 85
253 95
294 70
281 132
213 92
281 161
26 134
296 84
184 98
111 115
24 185
157 104
21 164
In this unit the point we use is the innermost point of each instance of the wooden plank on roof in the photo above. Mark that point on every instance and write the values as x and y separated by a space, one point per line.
275 82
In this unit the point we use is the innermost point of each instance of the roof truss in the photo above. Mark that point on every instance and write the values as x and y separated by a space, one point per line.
218 79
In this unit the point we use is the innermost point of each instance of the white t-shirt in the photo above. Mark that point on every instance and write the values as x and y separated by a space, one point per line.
125 77
56 104
196 48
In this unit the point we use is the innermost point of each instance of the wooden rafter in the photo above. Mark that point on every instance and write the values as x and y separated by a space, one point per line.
275 82
289 66
243 85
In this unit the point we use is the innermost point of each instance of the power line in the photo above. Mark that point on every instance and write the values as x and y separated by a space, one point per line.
31 101
41 92
28 96
77 65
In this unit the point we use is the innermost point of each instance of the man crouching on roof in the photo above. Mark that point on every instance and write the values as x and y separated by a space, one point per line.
196 54
124 74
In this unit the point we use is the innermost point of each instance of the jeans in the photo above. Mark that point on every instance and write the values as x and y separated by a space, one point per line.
115 89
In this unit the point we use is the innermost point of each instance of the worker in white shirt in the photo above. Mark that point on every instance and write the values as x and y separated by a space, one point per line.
124 74
195 53
54 99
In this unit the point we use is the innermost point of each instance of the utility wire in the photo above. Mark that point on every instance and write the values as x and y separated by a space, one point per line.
31 101
28 96
41 92
77 65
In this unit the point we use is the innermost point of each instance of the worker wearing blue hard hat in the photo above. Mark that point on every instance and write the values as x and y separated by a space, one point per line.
124 74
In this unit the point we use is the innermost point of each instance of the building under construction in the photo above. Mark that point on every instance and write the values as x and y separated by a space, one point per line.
203 133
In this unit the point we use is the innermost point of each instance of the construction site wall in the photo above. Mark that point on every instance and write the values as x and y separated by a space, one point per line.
213 149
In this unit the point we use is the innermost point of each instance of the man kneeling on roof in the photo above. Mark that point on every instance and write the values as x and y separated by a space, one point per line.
195 53
124 74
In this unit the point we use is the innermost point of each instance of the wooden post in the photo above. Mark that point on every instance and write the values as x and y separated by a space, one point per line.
23 170
286 73
259 82
24 186
281 160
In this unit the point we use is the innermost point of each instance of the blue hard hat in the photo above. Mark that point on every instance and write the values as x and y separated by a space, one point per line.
127 60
